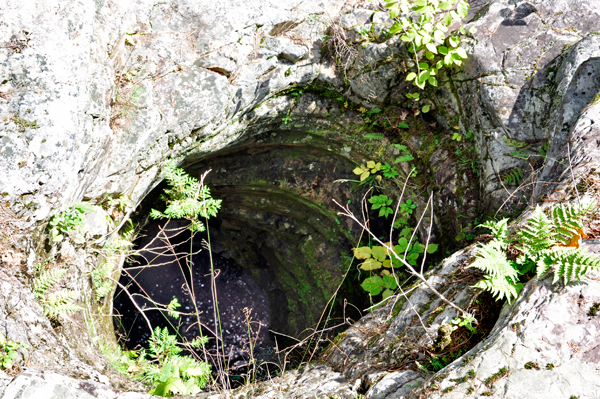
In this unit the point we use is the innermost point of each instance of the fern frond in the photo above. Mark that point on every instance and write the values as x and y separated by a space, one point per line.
102 284
374 136
47 280
498 229
500 287
501 279
514 176
568 263
61 303
537 234
568 221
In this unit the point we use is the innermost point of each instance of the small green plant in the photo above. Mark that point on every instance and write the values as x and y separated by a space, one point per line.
374 136
377 258
367 114
514 143
594 309
405 155
364 171
70 223
389 171
465 321
546 245
543 150
513 176
187 198
489 382
55 301
424 24
532 366
9 351
381 202
161 365
120 203
408 207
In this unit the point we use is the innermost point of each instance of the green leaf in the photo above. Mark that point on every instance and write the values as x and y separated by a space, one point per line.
401 247
362 253
79 239
371 264
389 282
411 76
431 248
447 19
425 109
373 285
461 51
387 293
431 47
433 81
379 253
446 5
423 65
448 59
473 30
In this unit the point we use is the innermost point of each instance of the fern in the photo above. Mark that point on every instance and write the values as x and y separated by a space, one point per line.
502 278
514 143
514 176
567 263
520 155
537 234
56 303
187 198
498 229
374 136
102 283
568 221
61 303
47 280
537 241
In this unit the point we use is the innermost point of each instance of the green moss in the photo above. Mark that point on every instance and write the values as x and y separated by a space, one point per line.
489 382
594 309
532 365
549 366
373 340
449 389
23 124
339 337
398 306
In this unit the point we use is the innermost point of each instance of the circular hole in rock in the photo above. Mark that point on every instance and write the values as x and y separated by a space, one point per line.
278 249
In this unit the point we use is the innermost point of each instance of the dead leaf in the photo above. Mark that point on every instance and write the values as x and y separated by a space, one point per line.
403 114
574 243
